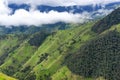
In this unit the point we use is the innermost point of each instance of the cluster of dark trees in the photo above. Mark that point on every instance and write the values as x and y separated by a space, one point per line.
107 22
99 57
38 38
8 70
42 57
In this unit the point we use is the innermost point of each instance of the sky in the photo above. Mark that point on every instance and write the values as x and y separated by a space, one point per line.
35 17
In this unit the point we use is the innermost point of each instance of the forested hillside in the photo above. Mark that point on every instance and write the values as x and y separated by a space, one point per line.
107 22
99 57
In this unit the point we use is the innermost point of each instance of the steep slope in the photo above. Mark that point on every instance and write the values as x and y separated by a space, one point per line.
8 43
55 48
99 57
21 54
45 61
107 22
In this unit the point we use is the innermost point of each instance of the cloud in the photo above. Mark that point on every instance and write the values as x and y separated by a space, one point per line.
35 17
3 8
101 12
23 17
61 2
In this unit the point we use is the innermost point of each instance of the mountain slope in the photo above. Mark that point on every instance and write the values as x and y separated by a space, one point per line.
50 54
8 43
100 56
101 60
57 47
107 22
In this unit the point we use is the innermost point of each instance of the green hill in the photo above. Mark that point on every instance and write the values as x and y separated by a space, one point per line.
75 53
44 61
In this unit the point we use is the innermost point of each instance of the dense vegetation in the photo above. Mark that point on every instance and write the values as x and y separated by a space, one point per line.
99 57
38 38
107 22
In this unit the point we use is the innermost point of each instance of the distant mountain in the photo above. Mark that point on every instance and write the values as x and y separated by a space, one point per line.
95 11
72 9
23 29
79 9
14 7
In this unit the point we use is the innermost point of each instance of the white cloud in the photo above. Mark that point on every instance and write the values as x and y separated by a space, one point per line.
23 17
35 17
62 2
3 8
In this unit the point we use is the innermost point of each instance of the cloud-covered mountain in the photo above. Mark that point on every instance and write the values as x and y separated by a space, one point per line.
37 12
72 9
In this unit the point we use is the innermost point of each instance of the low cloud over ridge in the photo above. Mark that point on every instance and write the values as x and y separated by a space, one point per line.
23 17
35 17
